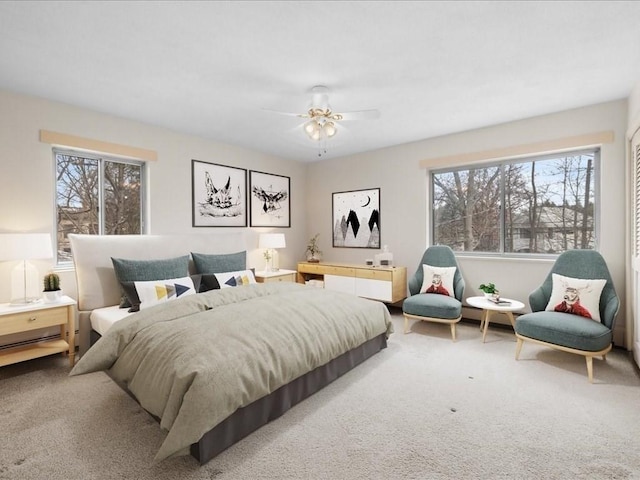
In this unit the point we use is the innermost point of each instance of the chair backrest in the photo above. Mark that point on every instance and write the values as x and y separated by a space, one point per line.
438 256
583 264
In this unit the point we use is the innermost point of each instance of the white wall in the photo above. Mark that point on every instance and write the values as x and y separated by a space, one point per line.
26 185
403 205
27 175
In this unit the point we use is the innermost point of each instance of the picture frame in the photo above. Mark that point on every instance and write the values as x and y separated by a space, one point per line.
270 199
356 218
218 195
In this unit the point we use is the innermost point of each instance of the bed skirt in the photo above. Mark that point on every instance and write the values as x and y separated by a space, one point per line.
248 419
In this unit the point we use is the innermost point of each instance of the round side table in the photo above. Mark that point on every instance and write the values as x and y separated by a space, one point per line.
488 307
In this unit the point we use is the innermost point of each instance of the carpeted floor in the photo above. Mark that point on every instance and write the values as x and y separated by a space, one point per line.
424 408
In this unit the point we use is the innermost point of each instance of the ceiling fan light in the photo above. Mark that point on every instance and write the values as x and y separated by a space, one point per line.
310 127
329 129
316 135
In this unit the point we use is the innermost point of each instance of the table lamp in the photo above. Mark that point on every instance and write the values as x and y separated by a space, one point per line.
270 242
25 282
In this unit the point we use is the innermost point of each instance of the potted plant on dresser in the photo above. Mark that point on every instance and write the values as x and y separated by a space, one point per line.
52 292
313 251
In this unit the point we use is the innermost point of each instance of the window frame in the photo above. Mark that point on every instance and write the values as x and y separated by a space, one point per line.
101 158
501 164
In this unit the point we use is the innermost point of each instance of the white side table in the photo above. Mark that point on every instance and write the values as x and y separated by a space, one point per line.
24 318
488 307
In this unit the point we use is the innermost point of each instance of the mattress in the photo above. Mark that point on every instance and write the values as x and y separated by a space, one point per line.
102 319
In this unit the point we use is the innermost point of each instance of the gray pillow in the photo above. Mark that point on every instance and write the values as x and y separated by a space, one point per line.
231 262
145 270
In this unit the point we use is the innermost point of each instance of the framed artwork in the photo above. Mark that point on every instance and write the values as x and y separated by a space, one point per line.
270 199
218 195
356 219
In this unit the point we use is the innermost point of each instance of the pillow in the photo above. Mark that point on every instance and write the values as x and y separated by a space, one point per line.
134 299
143 270
154 292
576 295
235 279
207 281
231 262
438 280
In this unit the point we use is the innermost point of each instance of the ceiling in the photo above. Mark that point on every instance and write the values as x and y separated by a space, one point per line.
216 69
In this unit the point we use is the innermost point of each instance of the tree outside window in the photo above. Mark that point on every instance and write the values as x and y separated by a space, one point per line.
542 205
96 195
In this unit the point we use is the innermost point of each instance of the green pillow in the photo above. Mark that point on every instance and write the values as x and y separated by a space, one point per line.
231 262
145 270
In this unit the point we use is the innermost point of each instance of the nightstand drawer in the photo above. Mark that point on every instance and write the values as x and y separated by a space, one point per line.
23 321
289 277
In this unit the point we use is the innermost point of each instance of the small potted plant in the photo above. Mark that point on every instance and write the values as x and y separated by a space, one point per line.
313 251
489 290
52 292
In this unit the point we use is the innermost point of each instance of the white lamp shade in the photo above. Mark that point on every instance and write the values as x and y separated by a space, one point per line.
271 240
25 246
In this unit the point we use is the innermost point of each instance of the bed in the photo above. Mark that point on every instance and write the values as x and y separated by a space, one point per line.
213 367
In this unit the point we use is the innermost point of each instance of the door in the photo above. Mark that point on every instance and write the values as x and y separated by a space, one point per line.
635 260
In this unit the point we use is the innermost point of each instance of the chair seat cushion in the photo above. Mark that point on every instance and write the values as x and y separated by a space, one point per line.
432 305
565 329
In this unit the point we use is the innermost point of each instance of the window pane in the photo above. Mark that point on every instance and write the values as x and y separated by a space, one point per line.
466 209
549 205
76 200
122 199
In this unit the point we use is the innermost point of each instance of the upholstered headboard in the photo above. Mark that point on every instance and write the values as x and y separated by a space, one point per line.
95 277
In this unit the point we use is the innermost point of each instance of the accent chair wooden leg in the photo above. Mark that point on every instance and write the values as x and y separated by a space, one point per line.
519 343
590 368
453 331
406 325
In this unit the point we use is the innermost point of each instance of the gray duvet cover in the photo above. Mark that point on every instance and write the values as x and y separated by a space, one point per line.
194 361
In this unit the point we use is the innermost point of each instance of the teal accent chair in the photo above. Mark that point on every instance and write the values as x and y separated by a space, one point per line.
432 307
566 331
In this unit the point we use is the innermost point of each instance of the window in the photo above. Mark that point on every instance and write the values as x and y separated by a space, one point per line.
96 195
539 205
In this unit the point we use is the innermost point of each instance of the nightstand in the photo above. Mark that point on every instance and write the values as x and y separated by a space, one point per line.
23 318
277 276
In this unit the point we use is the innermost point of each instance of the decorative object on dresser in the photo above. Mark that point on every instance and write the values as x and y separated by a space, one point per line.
51 292
387 284
271 242
270 199
313 251
25 284
281 275
356 218
36 316
219 195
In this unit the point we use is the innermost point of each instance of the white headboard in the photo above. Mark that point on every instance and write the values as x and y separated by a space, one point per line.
95 277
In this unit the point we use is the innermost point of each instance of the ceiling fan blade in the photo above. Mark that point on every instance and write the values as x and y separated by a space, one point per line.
290 114
360 115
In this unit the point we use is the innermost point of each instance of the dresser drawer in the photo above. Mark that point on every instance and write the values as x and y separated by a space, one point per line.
373 274
23 321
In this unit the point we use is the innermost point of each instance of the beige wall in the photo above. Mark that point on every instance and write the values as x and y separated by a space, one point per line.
403 206
26 185
27 175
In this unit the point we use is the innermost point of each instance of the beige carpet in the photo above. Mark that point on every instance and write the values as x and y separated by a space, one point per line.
424 408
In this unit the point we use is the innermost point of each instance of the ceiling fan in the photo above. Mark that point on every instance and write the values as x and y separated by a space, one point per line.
322 122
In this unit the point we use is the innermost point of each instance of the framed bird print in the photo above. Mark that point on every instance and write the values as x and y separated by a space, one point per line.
270 199
356 219
218 194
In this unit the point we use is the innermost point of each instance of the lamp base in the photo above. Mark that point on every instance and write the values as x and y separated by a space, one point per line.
25 301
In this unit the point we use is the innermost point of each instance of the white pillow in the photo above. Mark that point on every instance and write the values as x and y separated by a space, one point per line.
153 292
235 279
577 296
438 280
